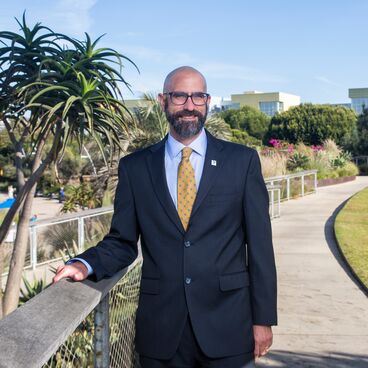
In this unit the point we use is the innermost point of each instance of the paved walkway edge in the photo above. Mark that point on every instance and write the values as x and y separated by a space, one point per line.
359 282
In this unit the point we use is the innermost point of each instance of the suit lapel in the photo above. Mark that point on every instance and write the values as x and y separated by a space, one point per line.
212 166
156 167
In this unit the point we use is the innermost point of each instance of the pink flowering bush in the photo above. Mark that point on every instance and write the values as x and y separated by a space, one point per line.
328 159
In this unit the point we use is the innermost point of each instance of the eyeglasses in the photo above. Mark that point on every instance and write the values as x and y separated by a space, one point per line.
180 98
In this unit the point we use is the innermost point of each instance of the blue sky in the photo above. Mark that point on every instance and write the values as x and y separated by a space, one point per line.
315 49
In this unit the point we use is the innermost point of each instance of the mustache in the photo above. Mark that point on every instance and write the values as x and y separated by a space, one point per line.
183 113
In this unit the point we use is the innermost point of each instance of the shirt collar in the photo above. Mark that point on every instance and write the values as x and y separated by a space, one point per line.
199 145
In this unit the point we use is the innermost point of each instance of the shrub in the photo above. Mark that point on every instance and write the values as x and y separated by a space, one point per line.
363 169
312 124
297 162
349 169
31 289
242 137
273 164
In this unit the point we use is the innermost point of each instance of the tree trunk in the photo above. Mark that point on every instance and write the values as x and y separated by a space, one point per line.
1 280
56 170
19 165
11 296
32 180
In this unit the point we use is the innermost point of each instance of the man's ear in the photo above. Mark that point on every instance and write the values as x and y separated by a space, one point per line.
208 101
161 100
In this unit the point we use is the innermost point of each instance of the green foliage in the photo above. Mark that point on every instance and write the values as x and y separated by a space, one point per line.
361 147
217 126
313 124
149 125
242 137
348 169
247 119
81 196
328 159
297 162
341 160
31 289
363 169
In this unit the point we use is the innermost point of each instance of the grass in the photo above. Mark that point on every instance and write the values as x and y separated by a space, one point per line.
351 228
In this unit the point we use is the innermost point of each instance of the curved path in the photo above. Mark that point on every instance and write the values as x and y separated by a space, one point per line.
323 315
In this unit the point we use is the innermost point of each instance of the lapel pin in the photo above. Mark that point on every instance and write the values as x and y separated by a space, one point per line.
213 162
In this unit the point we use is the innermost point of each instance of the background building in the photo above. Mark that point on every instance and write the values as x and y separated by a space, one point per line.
359 99
270 103
218 104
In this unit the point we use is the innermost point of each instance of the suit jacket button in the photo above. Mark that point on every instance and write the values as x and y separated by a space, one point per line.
187 244
188 280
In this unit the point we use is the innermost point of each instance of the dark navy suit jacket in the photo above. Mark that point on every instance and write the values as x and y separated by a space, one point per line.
221 271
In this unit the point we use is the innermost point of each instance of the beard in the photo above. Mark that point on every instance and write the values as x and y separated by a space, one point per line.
186 129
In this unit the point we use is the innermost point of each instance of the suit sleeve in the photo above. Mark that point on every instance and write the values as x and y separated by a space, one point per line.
261 261
119 248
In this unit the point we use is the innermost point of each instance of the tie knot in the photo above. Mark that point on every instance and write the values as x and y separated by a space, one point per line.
186 152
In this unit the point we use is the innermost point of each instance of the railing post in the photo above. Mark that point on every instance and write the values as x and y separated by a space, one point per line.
288 188
80 234
272 201
102 334
315 182
33 246
302 185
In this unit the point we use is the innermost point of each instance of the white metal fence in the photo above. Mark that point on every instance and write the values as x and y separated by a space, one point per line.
71 234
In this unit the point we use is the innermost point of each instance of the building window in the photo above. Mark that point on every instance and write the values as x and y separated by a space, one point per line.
358 104
272 107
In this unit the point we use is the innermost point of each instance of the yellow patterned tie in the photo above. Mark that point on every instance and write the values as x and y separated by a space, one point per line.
186 187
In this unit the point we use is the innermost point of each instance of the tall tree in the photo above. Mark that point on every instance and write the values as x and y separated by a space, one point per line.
362 130
254 122
313 124
54 94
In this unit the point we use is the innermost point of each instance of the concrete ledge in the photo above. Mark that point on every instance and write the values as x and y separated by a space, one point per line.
33 332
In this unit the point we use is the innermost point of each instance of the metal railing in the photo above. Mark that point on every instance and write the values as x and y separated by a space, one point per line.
295 185
274 194
361 160
49 238
75 324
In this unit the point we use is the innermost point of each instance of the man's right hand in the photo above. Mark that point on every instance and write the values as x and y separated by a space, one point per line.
76 271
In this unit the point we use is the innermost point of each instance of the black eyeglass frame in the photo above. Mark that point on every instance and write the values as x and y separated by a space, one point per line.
170 94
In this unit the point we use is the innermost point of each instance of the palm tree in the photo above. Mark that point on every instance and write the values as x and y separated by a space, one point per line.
217 126
67 93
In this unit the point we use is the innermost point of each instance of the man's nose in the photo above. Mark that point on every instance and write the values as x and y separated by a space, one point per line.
189 105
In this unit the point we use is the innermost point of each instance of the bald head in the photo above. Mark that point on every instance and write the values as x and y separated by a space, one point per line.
183 72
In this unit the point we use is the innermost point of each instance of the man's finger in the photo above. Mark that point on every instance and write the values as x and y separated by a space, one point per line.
256 350
65 272
60 268
59 275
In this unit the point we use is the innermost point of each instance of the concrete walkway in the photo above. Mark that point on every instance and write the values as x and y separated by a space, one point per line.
44 208
323 315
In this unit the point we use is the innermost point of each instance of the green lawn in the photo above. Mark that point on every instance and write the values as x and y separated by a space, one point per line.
351 228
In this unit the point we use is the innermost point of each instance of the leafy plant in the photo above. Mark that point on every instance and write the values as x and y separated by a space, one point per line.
297 162
81 196
31 289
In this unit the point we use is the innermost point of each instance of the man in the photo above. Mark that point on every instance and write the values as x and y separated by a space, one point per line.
200 208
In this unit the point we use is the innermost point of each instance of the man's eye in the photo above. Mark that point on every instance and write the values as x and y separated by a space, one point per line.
198 95
179 95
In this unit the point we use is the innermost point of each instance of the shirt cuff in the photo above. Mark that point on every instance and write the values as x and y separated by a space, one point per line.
89 268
